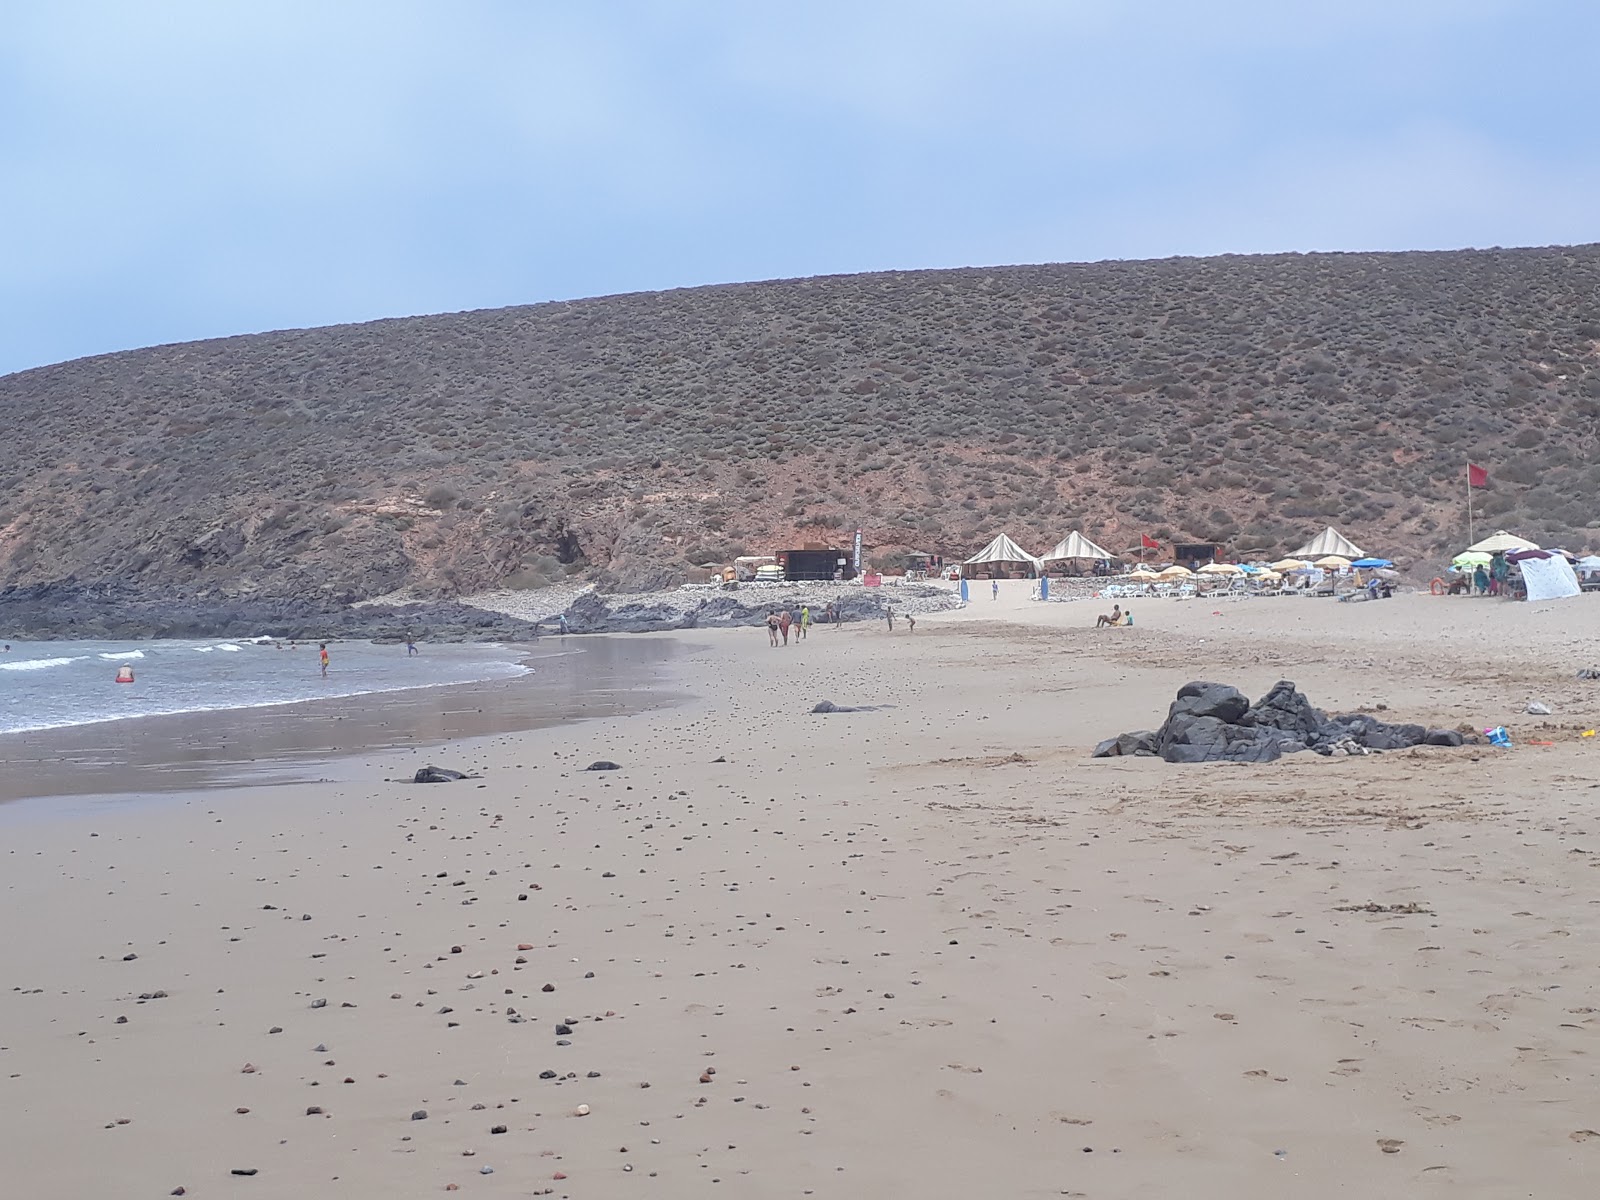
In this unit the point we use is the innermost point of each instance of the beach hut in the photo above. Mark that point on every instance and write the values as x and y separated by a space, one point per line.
1329 541
1499 542
998 558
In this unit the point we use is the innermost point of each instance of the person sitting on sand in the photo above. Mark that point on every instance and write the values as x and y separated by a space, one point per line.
1114 617
1127 617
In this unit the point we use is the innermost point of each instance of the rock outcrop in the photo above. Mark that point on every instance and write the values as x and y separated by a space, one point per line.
737 606
1212 722
73 610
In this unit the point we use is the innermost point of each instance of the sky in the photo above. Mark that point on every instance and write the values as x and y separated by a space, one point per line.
181 169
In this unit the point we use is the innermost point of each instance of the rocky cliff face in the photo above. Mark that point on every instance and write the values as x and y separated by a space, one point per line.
1248 400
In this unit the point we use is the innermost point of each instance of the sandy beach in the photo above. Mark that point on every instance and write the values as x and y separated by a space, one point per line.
927 950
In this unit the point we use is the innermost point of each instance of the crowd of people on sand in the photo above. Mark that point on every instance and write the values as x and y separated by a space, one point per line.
781 622
1485 579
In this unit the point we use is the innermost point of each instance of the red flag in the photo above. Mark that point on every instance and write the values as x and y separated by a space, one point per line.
1146 542
1477 476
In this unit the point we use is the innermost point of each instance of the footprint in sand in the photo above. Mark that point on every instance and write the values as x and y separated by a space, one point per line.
1583 1135
968 1070
1390 1145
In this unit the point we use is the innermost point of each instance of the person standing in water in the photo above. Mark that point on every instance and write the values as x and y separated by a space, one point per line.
322 647
411 647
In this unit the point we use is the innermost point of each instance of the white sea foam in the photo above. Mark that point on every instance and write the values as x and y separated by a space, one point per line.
228 646
202 649
40 664
124 656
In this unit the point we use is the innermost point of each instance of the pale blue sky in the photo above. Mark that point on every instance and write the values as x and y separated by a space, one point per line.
195 168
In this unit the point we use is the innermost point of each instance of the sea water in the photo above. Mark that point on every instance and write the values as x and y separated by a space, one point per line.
54 685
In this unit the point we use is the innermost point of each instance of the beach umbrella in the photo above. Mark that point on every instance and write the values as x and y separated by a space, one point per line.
1290 564
1268 576
1468 559
1500 541
1218 568
1333 562
1368 563
1176 572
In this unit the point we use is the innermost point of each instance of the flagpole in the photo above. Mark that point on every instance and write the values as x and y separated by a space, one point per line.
1471 534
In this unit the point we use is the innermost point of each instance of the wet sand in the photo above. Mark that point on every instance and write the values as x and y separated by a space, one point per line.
929 950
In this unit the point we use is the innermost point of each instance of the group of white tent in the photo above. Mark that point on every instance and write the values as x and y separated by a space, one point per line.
1330 542
1073 546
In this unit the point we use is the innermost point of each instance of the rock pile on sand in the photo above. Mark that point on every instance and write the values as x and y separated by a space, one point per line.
1212 722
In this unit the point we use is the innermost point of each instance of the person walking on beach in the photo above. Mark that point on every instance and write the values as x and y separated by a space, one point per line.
563 619
411 647
785 619
322 647
994 588
772 626
889 612
911 623
805 621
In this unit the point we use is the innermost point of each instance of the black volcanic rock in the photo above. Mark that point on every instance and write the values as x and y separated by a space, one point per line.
1212 722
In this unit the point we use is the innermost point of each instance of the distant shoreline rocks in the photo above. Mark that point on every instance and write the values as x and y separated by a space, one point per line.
56 611
71 610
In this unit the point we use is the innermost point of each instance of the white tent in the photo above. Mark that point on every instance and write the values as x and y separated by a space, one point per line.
1001 550
1500 541
1549 578
1330 541
1075 545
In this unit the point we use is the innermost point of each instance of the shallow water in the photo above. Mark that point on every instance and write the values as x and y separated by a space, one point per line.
53 685
556 681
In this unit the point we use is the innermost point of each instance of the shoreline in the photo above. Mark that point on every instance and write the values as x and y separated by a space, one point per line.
923 948
297 740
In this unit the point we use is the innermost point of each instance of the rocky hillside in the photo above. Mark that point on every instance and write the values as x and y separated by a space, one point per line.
1246 399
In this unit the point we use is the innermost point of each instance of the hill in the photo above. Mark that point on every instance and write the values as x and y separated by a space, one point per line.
1246 399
